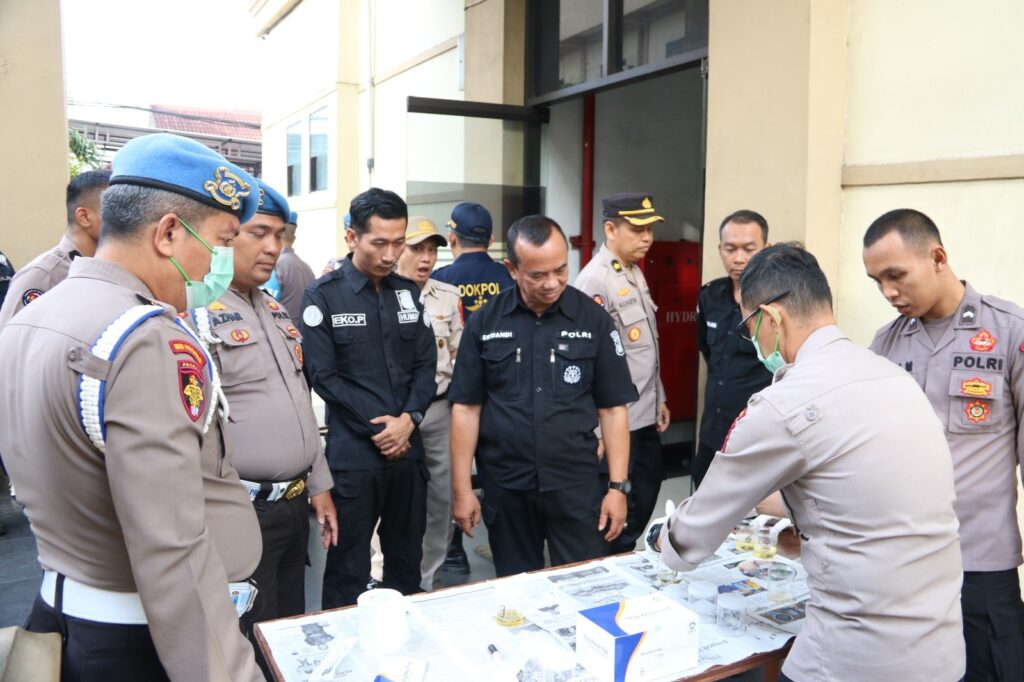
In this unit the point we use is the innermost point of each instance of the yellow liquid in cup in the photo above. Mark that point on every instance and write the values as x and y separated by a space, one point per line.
765 551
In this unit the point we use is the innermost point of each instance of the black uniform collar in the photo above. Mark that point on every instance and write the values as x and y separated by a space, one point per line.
567 304
355 277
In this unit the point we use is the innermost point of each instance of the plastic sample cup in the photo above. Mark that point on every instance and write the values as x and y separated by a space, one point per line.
703 598
764 547
731 614
779 578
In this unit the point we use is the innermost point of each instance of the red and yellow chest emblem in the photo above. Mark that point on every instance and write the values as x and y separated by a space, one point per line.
191 378
292 331
633 334
298 354
976 387
983 342
977 411
599 299
240 335
273 305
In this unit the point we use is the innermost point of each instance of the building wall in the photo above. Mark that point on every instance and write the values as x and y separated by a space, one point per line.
33 129
311 45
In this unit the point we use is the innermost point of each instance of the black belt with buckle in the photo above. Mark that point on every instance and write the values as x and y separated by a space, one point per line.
275 491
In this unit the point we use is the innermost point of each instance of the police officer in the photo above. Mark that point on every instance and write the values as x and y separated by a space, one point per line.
370 355
539 366
46 270
966 350
477 277
292 272
113 431
614 281
273 430
443 307
863 468
734 374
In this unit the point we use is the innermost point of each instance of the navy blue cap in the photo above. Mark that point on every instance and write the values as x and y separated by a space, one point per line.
471 220
183 166
271 202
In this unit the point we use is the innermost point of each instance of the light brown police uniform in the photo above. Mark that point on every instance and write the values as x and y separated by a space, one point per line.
865 472
273 430
624 293
294 275
974 379
43 273
443 306
160 512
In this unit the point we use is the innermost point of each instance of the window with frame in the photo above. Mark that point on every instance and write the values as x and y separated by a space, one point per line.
294 158
318 150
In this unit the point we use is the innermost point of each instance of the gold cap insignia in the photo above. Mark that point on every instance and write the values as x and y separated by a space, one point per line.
227 188
646 202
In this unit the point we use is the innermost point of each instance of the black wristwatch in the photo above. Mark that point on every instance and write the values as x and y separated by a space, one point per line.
417 417
623 487
652 536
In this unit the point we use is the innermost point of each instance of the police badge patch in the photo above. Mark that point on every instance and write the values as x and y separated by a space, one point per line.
572 375
30 295
618 343
190 383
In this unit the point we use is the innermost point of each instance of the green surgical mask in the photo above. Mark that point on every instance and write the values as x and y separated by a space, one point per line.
773 362
216 281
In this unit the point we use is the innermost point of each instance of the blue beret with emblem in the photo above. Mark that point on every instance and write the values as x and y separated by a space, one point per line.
183 166
293 219
271 202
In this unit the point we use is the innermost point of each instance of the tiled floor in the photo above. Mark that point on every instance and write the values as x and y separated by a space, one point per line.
20 573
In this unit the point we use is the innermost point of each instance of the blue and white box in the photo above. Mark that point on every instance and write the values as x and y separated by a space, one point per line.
637 640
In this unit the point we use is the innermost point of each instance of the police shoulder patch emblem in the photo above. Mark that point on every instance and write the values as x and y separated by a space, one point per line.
298 354
292 331
617 340
191 379
30 295
977 411
983 341
312 316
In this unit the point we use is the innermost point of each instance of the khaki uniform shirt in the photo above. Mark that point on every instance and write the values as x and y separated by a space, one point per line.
864 470
273 430
43 273
443 305
161 511
294 275
624 293
974 379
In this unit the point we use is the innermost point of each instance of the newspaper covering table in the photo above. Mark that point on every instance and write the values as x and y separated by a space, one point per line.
453 634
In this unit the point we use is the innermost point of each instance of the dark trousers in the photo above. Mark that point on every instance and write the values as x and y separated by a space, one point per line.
397 495
519 521
99 652
646 472
993 626
701 462
280 576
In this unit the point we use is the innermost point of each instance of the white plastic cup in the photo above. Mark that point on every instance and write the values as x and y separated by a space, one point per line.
383 627
703 596
731 615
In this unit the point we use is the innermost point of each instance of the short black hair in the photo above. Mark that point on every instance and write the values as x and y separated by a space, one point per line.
378 202
128 209
743 217
82 184
786 267
915 228
533 229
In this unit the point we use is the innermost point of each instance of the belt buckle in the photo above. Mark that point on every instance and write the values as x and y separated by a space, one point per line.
295 489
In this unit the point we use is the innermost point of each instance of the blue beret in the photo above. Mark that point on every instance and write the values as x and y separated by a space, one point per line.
183 166
271 202
293 218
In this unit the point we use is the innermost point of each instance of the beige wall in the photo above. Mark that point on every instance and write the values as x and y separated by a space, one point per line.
33 128
775 117
312 48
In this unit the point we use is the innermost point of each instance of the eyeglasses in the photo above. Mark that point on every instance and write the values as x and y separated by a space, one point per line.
742 329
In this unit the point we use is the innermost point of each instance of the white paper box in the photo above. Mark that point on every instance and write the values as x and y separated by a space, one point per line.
645 638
